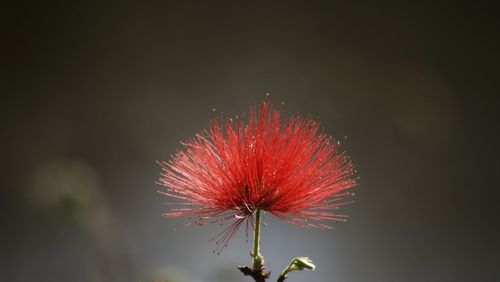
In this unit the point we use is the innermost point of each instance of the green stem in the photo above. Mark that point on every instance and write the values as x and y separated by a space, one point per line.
257 257
257 271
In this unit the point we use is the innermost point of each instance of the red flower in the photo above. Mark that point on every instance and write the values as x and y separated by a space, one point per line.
285 168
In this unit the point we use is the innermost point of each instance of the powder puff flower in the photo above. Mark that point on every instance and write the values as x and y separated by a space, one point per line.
261 163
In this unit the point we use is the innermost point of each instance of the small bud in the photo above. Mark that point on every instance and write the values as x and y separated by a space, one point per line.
301 263
298 263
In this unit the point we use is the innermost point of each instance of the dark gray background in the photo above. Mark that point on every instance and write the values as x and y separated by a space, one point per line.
94 92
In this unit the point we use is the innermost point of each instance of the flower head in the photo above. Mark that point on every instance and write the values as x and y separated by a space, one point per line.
286 168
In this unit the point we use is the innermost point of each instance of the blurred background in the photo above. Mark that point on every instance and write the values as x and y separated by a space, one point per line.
94 92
